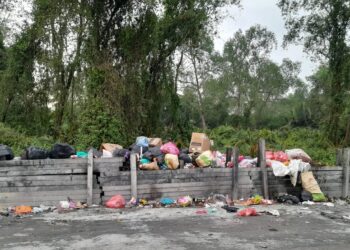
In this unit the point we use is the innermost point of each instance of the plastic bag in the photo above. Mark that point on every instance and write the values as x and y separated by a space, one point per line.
185 157
279 169
184 201
166 201
149 166
309 183
142 141
247 212
152 153
281 156
204 159
6 153
248 163
116 201
170 148
298 153
23 210
62 151
172 161
319 197
34 153
269 155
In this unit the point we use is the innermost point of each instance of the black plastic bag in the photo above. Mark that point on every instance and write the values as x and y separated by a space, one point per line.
125 153
34 153
288 199
137 149
61 151
152 153
185 157
306 196
6 153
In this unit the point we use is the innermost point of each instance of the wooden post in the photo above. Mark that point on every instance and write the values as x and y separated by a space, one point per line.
235 186
345 164
228 155
262 165
133 176
90 174
339 157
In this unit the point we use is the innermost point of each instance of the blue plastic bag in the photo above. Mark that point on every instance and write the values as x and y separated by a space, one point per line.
142 141
166 201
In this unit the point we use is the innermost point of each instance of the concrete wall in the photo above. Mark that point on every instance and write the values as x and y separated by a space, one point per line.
35 182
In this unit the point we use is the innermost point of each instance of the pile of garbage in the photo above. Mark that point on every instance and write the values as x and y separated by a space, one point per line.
152 153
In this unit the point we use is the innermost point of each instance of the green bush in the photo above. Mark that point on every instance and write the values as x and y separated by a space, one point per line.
18 141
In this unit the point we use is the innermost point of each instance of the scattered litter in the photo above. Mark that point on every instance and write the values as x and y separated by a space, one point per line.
184 201
116 201
38 210
340 202
230 209
288 199
273 212
247 212
64 204
166 201
346 217
308 203
201 212
19 210
328 204
306 196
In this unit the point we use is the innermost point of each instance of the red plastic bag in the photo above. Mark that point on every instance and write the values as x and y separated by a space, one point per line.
116 201
170 148
281 156
247 212
269 155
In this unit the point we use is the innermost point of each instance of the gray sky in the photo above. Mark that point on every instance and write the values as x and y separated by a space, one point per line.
267 14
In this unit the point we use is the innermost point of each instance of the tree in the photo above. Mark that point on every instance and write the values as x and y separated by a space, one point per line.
323 27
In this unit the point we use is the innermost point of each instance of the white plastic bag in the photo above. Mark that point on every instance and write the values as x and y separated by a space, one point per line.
279 169
298 153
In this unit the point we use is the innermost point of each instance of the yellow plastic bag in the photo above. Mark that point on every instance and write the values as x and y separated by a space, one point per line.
204 159
172 161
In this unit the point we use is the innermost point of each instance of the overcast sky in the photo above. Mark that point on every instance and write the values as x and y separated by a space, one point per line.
265 13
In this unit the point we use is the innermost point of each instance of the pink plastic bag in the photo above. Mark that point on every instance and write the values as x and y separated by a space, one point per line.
170 148
247 212
116 201
270 155
281 156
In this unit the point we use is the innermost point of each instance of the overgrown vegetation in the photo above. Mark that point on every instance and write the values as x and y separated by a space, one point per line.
19 141
85 72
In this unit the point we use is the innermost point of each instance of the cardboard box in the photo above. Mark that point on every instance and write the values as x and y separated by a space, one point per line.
199 143
155 142
110 147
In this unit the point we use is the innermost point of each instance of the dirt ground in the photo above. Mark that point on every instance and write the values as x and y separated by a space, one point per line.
297 227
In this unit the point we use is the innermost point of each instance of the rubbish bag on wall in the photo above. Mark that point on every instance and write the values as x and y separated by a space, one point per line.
142 141
34 153
61 151
6 153
172 161
170 148
204 159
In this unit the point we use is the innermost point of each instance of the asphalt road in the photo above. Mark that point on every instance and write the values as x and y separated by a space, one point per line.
297 227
